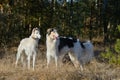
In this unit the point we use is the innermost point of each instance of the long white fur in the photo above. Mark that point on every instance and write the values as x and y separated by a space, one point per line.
29 47
77 54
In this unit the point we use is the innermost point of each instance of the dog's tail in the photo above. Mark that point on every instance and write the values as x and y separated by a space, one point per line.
88 44
89 52
89 47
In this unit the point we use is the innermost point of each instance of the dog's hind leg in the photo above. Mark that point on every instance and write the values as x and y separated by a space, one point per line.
18 56
23 60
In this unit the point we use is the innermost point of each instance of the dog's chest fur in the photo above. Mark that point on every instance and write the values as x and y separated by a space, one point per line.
51 44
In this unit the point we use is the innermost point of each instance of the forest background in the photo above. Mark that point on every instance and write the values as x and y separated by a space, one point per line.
96 20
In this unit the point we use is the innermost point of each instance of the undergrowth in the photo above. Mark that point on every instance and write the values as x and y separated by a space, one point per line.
112 56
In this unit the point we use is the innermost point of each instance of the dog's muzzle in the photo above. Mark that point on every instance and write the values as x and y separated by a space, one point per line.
55 37
39 36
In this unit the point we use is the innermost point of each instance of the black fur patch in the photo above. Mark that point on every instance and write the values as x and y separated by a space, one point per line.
82 45
66 42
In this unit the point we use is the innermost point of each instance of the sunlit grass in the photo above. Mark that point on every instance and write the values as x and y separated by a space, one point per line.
93 71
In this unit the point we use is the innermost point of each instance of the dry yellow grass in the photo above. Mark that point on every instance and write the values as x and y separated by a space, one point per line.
93 71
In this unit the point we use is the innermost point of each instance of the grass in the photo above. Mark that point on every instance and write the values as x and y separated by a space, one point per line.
93 71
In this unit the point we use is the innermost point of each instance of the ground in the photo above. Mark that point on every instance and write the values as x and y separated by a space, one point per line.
96 70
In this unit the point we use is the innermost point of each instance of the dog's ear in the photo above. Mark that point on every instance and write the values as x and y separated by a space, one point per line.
34 29
49 30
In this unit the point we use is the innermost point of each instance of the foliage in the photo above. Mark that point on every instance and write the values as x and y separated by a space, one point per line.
84 19
109 56
117 46
113 57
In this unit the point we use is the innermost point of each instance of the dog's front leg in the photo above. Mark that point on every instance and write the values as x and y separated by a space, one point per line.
18 56
56 61
48 59
34 56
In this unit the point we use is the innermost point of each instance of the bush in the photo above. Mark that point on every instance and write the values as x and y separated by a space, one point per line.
110 57
113 57
117 46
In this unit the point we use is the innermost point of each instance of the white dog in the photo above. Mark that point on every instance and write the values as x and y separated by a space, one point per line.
57 47
29 47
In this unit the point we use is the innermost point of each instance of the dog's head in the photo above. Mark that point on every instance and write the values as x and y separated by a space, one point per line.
36 33
52 33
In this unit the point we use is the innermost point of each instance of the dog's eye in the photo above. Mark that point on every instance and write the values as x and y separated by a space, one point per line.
54 31
37 32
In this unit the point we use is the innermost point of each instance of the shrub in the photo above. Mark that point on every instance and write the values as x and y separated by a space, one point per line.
113 57
117 46
110 57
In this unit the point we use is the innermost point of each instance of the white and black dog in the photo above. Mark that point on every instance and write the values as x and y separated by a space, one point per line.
29 47
79 52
